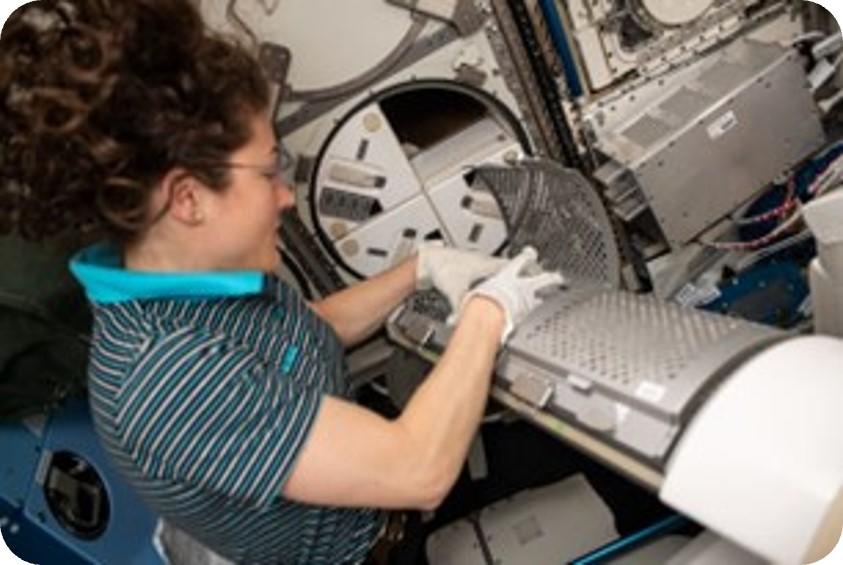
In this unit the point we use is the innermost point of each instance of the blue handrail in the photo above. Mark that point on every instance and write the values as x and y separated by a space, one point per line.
563 49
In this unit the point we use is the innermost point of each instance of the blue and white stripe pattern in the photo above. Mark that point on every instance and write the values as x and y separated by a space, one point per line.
205 395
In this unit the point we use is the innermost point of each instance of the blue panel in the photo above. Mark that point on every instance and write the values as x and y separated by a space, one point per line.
31 543
131 525
560 43
21 451
768 293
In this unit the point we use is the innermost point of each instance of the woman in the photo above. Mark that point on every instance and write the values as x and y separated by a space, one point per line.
219 393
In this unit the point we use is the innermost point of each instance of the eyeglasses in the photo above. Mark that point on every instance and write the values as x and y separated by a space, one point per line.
272 173
279 170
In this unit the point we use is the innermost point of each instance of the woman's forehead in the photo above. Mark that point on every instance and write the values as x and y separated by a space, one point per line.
263 139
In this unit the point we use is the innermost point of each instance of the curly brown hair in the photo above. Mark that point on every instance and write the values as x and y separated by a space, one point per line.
99 99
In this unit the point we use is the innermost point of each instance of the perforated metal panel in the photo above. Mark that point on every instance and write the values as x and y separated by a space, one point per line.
625 365
557 211
622 340
647 130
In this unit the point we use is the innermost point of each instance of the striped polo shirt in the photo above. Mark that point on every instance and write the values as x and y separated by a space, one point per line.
203 388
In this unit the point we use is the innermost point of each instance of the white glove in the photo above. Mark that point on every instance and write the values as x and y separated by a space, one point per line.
516 291
452 271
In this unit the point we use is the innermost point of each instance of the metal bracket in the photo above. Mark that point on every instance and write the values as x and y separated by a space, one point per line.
418 329
275 60
531 389
462 14
304 168
471 76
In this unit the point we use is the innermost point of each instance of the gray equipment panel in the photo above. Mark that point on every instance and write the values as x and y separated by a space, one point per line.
705 148
626 368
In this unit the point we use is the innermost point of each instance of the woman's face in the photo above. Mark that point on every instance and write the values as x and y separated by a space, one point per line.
247 214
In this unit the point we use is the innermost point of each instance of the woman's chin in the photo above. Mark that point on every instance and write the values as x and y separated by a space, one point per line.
272 264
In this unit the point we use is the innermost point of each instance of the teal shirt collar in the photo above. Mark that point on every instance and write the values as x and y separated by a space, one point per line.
100 271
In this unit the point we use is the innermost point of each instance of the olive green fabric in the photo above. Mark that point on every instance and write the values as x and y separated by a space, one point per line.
44 321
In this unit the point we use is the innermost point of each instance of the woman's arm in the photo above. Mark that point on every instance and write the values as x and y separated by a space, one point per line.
355 457
358 311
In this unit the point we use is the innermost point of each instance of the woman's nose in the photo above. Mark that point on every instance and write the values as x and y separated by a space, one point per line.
285 197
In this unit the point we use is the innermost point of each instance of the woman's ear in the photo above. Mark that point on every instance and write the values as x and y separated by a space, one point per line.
182 196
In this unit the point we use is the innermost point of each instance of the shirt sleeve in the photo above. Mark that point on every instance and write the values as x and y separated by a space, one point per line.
215 417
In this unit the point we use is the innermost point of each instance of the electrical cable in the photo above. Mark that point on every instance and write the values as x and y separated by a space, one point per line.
759 242
820 184
787 205
770 237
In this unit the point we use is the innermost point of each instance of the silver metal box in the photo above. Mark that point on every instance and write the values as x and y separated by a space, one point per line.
626 367
714 141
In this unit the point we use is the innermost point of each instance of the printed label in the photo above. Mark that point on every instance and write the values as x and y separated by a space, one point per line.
692 295
622 411
722 125
650 392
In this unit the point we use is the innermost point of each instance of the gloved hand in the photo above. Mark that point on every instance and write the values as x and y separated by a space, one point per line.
452 271
515 290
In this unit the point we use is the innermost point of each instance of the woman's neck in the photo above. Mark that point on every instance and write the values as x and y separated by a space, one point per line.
148 255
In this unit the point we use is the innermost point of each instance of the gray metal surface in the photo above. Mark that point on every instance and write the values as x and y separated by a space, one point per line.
557 211
621 340
703 149
627 366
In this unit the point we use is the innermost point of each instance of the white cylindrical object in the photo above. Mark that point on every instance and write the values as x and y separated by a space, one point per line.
355 175
762 462
823 216
826 300
831 258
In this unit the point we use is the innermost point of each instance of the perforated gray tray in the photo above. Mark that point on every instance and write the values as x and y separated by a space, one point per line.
628 366
557 211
